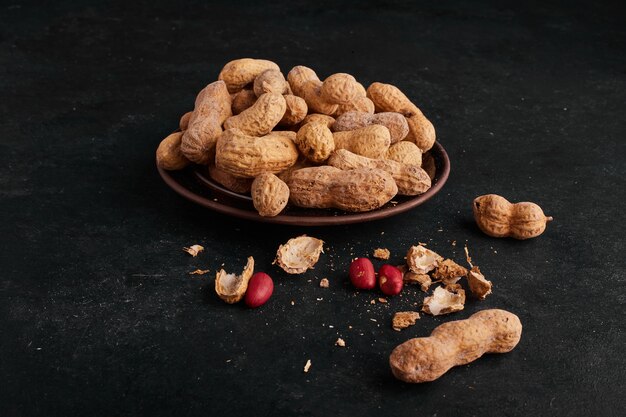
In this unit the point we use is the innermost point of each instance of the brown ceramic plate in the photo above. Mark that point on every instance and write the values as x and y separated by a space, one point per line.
194 184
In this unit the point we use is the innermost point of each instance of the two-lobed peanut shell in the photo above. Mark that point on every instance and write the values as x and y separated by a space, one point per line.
248 156
410 179
241 72
260 118
212 108
389 98
359 190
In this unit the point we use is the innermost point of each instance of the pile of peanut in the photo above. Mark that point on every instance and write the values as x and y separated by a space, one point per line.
300 140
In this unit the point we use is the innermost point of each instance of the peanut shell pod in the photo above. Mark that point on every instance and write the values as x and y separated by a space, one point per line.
358 190
248 156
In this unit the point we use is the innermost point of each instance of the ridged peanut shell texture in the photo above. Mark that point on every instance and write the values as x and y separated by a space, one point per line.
359 190
339 88
168 154
455 343
395 122
497 217
305 83
405 152
389 98
248 156
261 117
240 72
295 111
212 108
370 141
270 81
410 179
243 100
320 118
269 194
315 141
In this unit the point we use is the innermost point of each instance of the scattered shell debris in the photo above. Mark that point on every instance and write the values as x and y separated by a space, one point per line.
403 319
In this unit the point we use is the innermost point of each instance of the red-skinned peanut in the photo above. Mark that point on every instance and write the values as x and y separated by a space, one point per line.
260 289
390 280
362 274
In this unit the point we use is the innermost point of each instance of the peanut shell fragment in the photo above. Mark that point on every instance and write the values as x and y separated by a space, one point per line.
231 287
421 260
403 319
299 254
445 301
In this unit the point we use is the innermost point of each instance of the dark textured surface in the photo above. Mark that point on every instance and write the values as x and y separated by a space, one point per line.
98 316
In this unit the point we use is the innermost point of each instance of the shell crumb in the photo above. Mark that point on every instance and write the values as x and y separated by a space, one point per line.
199 272
382 253
340 342
307 366
324 283
194 250
403 319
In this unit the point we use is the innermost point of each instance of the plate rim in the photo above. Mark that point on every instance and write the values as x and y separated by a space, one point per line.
441 175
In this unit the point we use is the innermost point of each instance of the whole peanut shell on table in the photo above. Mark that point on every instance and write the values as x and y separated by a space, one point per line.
241 72
455 343
405 152
269 194
395 122
497 217
261 117
315 142
410 179
168 154
248 156
370 141
212 108
359 190
305 83
389 98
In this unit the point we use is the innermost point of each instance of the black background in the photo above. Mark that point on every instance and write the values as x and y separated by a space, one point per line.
99 316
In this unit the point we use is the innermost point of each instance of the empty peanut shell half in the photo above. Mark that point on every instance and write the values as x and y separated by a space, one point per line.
421 260
231 287
299 254
445 300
